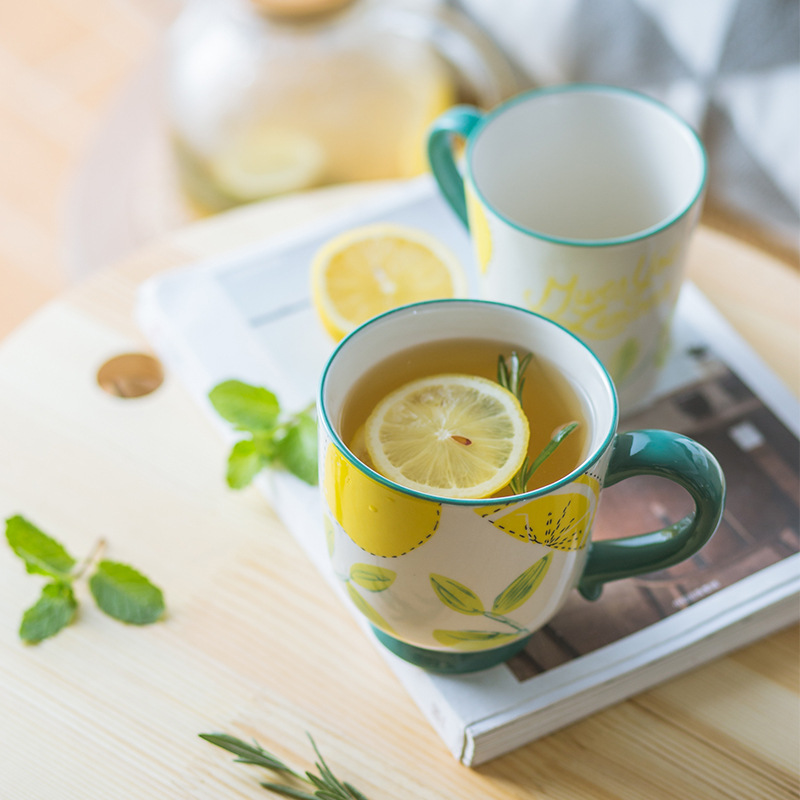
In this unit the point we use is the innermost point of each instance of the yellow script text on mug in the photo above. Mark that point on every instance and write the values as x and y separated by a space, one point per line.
580 201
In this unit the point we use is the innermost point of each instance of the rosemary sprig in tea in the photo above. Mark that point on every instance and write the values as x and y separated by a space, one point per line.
511 376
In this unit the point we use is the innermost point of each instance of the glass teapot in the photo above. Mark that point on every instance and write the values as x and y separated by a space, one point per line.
266 97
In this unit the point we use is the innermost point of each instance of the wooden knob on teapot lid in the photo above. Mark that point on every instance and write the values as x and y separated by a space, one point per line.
299 8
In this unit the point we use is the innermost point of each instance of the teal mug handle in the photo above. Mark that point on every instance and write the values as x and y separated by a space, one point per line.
456 121
681 460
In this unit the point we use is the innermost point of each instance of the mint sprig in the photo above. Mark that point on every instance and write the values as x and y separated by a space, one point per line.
125 594
272 438
54 610
41 554
118 589
325 785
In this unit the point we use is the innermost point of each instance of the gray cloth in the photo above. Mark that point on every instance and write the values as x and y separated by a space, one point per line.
731 68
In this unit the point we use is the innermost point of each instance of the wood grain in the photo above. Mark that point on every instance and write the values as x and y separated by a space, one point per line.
62 64
254 643
106 711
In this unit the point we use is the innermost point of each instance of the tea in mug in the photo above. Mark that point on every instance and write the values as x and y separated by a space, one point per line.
548 400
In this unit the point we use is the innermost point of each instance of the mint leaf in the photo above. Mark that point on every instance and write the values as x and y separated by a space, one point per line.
297 450
277 440
244 463
249 408
125 594
41 554
265 444
119 590
53 611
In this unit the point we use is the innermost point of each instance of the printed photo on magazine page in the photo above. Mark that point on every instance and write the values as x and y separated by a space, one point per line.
760 458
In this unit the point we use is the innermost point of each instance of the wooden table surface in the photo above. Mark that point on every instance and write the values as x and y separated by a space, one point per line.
105 710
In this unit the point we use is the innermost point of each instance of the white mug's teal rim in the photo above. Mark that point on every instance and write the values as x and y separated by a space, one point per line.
585 465
597 88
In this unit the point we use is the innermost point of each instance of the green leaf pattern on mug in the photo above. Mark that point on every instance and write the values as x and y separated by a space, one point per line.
473 640
663 345
367 610
371 577
456 596
330 536
462 599
625 359
521 588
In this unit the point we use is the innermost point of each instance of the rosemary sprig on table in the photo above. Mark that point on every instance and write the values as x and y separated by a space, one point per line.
511 376
326 786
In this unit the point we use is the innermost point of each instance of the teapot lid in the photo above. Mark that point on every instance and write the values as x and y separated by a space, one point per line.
299 8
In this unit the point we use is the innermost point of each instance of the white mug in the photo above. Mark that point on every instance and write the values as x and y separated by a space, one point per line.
580 200
457 585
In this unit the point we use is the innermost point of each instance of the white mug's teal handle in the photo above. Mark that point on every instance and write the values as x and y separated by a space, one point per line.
456 121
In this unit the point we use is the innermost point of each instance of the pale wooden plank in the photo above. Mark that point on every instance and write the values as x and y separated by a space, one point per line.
35 30
38 101
776 658
20 295
61 62
765 314
629 752
746 730
255 644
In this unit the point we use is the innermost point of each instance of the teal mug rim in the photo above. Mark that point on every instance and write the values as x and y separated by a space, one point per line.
597 88
581 469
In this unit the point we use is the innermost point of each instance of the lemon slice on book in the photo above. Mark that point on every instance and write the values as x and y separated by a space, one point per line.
371 269
456 436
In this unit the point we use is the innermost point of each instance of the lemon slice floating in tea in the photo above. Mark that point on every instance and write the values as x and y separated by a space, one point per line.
368 270
456 436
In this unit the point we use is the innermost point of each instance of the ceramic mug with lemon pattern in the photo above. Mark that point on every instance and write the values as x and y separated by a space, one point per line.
457 585
580 200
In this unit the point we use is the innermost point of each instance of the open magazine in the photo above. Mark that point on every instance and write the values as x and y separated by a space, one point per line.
248 315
